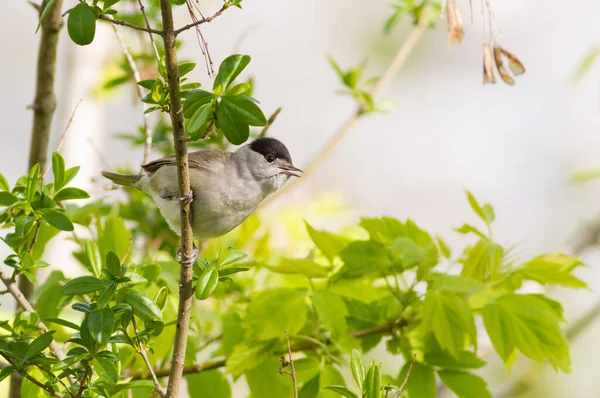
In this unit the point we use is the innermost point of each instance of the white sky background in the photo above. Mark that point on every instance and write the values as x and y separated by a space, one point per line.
515 147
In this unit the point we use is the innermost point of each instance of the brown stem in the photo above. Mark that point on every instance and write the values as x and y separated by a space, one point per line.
143 11
399 59
157 385
201 21
397 394
46 388
291 362
129 25
270 121
183 178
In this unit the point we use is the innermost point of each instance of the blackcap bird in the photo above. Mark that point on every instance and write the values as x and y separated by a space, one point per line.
226 187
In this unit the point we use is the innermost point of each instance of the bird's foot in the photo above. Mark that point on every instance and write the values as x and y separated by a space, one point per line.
187 198
186 261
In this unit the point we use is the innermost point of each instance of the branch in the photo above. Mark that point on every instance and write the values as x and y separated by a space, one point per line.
290 362
46 388
397 394
187 249
140 92
301 346
129 25
202 21
62 138
401 56
143 11
270 121
157 385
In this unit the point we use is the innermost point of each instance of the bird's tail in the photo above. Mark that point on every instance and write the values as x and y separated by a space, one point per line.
126 180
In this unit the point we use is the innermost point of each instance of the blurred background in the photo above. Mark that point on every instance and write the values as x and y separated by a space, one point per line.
516 147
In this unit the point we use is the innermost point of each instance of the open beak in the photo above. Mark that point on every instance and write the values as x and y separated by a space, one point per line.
290 170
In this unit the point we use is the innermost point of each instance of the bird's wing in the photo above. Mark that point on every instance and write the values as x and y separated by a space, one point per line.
200 160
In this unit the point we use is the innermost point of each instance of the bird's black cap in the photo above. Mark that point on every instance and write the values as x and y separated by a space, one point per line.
270 146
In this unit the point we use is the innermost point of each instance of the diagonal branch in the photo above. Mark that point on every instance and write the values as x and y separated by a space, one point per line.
157 385
187 250
46 388
129 25
202 21
143 11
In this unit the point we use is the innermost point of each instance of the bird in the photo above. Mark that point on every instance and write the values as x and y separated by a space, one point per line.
226 187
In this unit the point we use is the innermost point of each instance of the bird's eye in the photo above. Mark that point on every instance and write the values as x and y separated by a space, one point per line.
270 158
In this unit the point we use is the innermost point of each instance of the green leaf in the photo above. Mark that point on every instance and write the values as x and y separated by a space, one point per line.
7 371
342 390
444 249
464 360
358 368
300 266
45 13
7 199
68 362
310 389
420 383
553 269
486 213
82 285
58 170
273 312
529 323
113 265
62 322
100 324
93 256
4 183
244 109
33 182
194 99
588 61
372 385
185 67
235 130
115 237
465 385
466 229
198 123
143 306
70 194
483 260
383 229
212 384
457 283
38 345
70 174
240 89
332 312
450 320
81 24
230 68
106 369
363 257
329 244
264 380
147 84
245 357
107 295
207 283
56 219
233 257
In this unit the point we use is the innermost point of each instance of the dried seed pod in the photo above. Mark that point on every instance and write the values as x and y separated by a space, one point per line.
488 64
515 65
455 27
508 79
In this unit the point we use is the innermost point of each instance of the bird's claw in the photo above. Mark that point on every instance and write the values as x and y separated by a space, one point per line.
187 198
186 261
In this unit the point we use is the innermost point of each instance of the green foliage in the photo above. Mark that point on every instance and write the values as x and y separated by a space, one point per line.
81 24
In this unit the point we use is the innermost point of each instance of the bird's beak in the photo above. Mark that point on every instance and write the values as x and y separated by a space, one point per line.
290 170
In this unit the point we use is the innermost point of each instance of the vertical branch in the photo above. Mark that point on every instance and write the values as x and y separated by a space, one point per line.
157 385
187 244
289 362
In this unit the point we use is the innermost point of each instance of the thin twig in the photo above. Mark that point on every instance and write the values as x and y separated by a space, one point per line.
56 378
63 136
289 362
397 394
82 382
144 355
270 121
186 290
140 92
202 21
399 59
129 25
143 11
46 388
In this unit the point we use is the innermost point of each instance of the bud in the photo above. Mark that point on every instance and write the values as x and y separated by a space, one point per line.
488 65
455 27
508 79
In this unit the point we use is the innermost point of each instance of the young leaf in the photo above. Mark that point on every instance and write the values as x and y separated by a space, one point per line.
464 360
194 99
93 256
82 285
207 283
372 385
38 345
198 123
58 170
300 266
244 109
277 310
113 265
147 84
81 24
332 312
465 385
106 370
57 219
329 244
358 368
33 182
342 390
233 256
466 228
143 306
107 295
7 199
457 283
483 260
100 324
4 183
70 174
230 68
234 129
45 13
185 67
70 194
554 269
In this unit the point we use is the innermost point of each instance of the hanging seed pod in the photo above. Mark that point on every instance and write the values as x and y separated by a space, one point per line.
455 27
515 65
488 64
508 79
